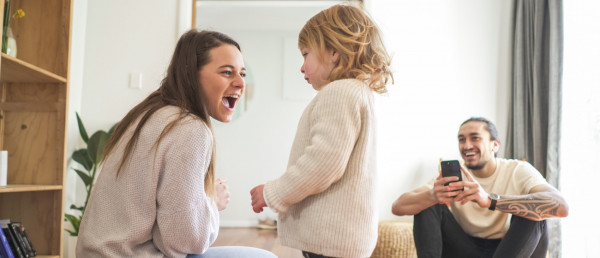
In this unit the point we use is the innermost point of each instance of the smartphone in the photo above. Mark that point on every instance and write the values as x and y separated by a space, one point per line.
451 168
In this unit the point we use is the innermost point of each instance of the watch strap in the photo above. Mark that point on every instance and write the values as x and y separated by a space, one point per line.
492 205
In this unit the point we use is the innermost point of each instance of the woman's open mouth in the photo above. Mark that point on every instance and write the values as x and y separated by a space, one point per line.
230 101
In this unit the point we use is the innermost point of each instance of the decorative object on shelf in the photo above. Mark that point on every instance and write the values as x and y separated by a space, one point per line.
89 158
9 44
3 167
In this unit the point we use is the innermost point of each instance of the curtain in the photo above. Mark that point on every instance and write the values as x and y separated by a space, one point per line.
535 108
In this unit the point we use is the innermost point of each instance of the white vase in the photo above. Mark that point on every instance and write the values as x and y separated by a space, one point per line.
11 43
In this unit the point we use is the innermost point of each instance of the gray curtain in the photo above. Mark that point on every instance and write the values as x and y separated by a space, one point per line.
535 109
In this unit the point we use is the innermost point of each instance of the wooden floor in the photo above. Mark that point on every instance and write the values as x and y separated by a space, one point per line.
260 238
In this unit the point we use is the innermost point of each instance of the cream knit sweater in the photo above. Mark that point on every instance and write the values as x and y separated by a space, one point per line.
157 206
326 199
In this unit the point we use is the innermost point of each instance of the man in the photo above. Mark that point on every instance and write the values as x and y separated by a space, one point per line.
500 213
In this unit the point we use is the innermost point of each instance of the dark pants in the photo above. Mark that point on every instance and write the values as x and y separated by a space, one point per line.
437 234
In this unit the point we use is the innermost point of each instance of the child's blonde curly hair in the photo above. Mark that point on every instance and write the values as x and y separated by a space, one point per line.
350 32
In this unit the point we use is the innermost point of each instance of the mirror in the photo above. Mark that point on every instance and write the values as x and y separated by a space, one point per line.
261 27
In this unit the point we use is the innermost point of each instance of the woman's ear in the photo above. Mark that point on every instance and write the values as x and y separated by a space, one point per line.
335 56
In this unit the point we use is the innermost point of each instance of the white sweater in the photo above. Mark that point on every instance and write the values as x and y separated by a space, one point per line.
157 206
326 198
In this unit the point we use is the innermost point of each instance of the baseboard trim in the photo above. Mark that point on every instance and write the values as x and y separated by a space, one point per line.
238 223
253 223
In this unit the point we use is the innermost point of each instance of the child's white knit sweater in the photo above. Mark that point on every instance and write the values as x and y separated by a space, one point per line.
326 198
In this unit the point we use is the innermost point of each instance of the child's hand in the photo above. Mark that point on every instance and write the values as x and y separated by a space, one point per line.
258 199
222 198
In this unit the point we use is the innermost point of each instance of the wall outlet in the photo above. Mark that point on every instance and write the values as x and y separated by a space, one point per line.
135 80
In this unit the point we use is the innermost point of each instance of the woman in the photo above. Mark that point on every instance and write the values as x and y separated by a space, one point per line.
157 195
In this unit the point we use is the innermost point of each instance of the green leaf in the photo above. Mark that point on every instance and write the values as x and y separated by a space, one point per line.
82 157
82 130
71 233
87 180
75 222
74 207
96 146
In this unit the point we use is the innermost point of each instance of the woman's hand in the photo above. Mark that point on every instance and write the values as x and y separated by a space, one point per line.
222 198
258 199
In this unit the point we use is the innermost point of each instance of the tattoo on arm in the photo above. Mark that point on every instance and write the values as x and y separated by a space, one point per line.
537 206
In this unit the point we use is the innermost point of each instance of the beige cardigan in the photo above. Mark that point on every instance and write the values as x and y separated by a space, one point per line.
157 206
326 198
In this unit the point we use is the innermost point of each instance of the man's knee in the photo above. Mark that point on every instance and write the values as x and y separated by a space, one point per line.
437 210
527 224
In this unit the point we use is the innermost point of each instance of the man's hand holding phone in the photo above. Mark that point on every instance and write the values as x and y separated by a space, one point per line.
449 183
451 168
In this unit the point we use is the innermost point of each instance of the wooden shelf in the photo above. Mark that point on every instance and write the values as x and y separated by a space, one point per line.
15 70
29 188
34 98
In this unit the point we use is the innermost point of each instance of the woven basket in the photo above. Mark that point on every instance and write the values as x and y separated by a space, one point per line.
395 240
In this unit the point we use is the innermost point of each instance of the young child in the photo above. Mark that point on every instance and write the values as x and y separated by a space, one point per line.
326 198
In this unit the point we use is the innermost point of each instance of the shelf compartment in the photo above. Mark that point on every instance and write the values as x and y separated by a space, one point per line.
40 212
15 70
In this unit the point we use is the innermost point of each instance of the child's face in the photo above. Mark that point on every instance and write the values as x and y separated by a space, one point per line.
316 72
222 81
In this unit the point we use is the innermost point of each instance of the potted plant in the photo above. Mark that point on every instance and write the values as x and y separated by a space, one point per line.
89 158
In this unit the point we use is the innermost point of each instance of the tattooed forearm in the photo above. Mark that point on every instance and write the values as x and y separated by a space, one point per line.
537 206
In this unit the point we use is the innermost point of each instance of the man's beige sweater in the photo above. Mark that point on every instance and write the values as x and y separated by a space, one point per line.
326 198
157 206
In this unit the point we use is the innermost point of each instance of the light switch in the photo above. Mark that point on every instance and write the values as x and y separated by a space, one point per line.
135 80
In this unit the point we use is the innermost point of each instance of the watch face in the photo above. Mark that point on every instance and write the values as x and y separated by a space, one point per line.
494 196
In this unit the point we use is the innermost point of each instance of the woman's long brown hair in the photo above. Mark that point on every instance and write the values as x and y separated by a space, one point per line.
180 88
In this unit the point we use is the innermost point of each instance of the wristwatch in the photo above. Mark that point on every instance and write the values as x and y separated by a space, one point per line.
494 198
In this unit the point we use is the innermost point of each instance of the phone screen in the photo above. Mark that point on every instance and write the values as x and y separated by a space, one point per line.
451 168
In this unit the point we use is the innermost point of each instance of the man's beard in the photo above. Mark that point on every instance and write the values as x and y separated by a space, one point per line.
477 166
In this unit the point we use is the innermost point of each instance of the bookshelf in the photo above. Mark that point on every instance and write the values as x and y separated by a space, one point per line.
33 121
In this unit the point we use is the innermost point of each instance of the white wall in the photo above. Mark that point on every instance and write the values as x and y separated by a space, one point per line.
75 90
124 37
451 60
74 187
580 129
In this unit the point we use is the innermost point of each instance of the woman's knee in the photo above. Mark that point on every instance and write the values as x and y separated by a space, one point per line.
234 252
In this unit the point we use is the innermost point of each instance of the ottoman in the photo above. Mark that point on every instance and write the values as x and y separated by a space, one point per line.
395 240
